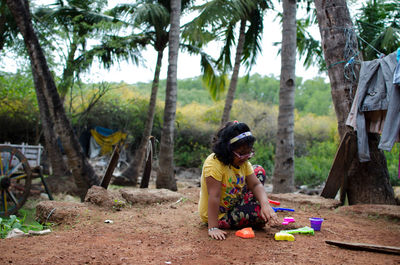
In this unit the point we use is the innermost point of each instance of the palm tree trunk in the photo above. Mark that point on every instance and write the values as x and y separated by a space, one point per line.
82 171
283 177
366 182
68 73
235 74
54 155
132 172
166 172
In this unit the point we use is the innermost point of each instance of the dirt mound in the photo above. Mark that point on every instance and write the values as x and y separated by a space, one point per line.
149 196
105 198
378 210
59 212
303 199
114 200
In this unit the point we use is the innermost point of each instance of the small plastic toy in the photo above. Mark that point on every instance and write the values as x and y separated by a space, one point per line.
245 233
284 236
316 223
274 202
304 230
288 220
282 209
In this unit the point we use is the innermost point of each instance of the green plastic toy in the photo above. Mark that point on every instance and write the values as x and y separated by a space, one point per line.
304 230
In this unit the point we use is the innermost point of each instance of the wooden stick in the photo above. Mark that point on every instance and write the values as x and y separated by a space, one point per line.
366 247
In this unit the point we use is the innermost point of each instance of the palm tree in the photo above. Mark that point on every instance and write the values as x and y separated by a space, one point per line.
75 22
8 35
219 19
8 28
379 28
363 182
283 177
248 44
153 17
376 25
165 173
46 90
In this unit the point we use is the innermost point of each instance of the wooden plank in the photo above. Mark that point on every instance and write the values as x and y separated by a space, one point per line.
111 166
366 247
149 160
338 172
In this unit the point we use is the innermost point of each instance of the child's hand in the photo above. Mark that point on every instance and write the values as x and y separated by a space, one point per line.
269 215
217 233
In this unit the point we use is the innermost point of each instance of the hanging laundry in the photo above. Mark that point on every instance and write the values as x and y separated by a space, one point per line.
391 130
376 94
104 139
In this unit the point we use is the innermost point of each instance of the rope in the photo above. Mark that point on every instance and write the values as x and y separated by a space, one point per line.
380 53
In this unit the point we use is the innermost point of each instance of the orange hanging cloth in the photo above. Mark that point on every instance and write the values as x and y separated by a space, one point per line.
245 233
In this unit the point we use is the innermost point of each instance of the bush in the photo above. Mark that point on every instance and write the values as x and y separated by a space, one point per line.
193 136
313 169
392 159
264 156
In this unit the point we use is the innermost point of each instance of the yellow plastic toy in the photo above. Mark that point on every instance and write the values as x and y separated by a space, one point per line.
284 236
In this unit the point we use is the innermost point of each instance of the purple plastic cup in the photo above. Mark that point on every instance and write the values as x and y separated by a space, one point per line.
316 223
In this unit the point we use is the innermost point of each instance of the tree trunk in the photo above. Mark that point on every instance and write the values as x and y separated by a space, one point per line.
54 154
366 182
283 177
82 171
235 74
166 172
69 70
132 172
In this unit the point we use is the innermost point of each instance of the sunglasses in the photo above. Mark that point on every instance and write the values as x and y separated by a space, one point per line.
246 156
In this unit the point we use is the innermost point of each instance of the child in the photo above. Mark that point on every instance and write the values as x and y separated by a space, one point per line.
228 183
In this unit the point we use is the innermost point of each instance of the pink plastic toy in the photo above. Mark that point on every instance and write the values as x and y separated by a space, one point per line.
288 220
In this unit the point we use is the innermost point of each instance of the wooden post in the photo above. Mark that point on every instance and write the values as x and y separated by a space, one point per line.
337 177
149 160
111 165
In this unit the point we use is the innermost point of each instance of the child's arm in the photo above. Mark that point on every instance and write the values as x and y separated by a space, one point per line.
267 213
214 194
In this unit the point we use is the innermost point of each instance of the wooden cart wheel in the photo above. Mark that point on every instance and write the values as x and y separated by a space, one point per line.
15 180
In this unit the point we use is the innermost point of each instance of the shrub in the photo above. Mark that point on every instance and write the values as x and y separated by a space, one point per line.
392 159
313 169
264 156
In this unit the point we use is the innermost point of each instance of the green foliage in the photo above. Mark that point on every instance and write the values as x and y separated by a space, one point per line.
9 223
193 135
378 25
313 169
121 110
190 151
311 129
260 88
19 115
124 107
314 96
264 156
392 159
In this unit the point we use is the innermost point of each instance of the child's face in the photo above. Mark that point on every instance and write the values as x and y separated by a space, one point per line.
242 154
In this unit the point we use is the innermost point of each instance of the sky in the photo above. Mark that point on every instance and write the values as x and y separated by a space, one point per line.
268 63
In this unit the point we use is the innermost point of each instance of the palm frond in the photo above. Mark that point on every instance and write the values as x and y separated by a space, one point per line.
253 38
113 49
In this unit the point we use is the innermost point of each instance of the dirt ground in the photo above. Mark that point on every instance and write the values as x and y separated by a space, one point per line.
171 232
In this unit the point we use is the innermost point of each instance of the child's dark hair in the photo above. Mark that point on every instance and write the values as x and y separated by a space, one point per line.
222 146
